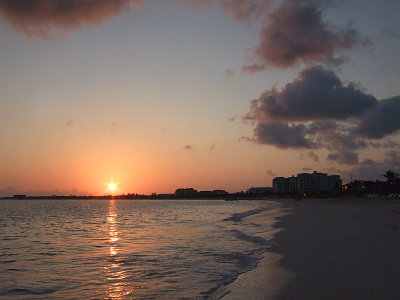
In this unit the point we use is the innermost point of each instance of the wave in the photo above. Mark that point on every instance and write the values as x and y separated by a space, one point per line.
8 261
250 238
22 291
245 262
237 217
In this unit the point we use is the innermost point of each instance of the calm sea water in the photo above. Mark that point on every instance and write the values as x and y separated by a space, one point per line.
121 249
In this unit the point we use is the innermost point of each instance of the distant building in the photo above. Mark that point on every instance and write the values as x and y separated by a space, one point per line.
186 193
259 191
309 183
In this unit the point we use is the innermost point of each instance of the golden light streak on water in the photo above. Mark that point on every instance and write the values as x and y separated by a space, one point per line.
117 288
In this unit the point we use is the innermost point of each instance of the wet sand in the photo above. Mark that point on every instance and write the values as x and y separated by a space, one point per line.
329 249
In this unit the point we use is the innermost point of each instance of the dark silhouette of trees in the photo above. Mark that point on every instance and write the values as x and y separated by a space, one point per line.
391 176
392 181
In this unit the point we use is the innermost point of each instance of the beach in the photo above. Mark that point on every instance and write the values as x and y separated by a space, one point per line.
329 249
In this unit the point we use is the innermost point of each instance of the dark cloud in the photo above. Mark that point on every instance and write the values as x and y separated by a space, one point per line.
314 156
295 33
311 154
306 169
388 143
283 135
393 159
318 111
346 157
269 172
315 94
375 145
322 112
391 144
368 162
335 135
382 120
188 148
45 18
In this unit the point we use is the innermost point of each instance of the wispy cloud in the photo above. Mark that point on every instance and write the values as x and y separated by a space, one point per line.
229 73
314 156
345 157
390 33
233 119
241 10
269 172
189 147
245 10
114 128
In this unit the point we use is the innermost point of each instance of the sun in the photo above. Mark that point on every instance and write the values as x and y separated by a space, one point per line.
112 187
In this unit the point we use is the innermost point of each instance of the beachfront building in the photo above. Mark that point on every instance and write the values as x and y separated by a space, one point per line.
282 185
334 183
308 183
312 183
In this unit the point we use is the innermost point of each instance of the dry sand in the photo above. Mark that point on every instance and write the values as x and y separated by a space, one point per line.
329 249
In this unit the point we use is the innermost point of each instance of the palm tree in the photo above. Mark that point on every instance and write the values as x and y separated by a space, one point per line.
390 176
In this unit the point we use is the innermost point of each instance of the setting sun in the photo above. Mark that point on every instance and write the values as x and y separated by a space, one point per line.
112 187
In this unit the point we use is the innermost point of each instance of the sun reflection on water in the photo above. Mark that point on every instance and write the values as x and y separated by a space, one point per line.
117 287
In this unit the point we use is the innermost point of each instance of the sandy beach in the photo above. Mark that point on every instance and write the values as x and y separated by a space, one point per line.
329 249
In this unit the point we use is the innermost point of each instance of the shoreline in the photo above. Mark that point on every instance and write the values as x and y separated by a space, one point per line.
329 249
267 278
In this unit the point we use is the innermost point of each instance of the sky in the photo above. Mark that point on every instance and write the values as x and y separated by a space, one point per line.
210 94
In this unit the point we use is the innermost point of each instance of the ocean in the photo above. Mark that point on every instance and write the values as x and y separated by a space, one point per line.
129 249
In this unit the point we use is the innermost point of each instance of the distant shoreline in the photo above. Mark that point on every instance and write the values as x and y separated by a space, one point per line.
227 197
